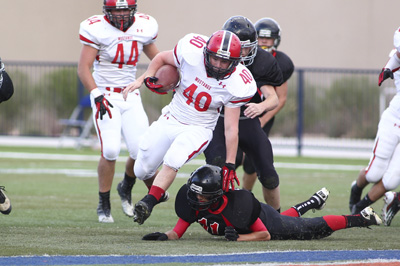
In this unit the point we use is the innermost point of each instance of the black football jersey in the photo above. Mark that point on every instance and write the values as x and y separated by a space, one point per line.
266 71
239 209
285 63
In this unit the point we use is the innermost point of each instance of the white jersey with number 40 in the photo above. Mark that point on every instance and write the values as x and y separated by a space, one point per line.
119 51
199 98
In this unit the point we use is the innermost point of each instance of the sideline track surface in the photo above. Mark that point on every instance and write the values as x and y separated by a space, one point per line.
261 257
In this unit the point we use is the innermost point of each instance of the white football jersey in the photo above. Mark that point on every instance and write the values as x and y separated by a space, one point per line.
396 43
119 51
199 99
396 39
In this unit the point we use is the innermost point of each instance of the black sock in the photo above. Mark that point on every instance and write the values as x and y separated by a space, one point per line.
129 180
357 190
104 196
150 200
305 206
364 203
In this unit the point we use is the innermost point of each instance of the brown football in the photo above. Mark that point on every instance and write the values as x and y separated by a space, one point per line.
168 76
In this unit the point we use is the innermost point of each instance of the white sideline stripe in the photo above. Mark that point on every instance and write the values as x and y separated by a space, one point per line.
93 173
81 173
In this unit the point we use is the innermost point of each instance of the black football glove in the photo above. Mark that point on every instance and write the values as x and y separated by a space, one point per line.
231 234
229 177
102 105
385 73
150 83
156 236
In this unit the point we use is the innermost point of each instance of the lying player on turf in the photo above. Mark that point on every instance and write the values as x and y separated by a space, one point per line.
239 216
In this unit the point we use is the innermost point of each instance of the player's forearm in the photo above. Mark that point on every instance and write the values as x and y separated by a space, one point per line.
150 50
231 124
162 58
255 236
270 114
271 99
87 79
231 144
281 92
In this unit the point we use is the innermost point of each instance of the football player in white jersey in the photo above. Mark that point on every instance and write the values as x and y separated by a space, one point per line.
112 44
211 79
384 168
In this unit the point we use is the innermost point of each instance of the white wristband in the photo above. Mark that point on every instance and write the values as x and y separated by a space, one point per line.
96 92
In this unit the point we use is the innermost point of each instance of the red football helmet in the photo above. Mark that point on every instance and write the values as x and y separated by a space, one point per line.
225 45
121 22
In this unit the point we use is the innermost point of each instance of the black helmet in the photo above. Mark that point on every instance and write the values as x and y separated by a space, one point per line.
207 182
269 28
6 84
247 34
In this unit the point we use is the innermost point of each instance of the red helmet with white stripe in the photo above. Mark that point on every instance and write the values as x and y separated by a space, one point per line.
120 21
226 46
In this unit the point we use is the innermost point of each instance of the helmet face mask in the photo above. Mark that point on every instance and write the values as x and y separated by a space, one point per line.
204 187
224 46
120 21
269 28
247 34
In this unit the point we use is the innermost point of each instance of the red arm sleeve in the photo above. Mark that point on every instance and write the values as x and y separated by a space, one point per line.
181 227
258 226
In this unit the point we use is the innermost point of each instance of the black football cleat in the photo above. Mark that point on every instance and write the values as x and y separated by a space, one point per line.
104 211
125 193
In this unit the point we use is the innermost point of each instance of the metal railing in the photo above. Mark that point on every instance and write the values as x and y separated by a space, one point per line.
330 103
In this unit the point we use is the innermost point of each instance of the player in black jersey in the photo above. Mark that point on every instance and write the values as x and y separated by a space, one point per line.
239 216
6 91
6 84
252 139
269 38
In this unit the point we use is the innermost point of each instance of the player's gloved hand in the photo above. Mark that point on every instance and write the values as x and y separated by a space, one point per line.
229 177
156 236
150 83
385 73
102 104
231 234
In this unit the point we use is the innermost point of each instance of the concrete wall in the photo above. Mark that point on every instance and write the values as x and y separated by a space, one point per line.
316 33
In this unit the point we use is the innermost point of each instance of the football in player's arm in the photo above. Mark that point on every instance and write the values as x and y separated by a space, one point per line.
211 79
238 216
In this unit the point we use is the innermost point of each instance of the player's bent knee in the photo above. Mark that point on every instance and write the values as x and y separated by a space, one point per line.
110 156
270 182
391 183
248 166
142 171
